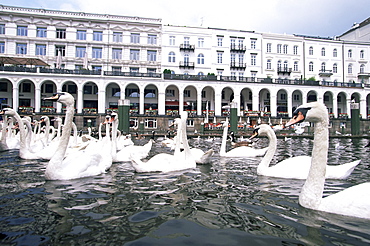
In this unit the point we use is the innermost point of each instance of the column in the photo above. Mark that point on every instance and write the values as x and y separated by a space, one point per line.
335 107
37 100
273 105
141 102
79 100
161 103
363 108
15 97
289 105
101 102
255 101
218 100
181 101
199 103
237 101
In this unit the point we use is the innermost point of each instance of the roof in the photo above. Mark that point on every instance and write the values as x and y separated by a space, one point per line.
22 61
357 25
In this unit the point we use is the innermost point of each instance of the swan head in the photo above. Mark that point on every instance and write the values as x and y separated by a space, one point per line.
44 118
62 97
312 112
8 111
260 130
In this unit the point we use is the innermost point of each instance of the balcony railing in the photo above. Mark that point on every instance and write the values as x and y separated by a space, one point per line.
326 73
132 74
70 71
237 48
238 65
184 64
18 69
187 47
284 70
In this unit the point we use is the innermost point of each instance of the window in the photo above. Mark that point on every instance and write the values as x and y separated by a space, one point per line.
134 70
134 55
279 48
149 93
310 67
117 54
279 66
253 44
335 68
21 49
2 28
362 68
172 40
296 97
285 65
349 53
170 93
80 51
186 41
41 32
200 59
186 58
61 49
285 49
90 89
219 57
186 93
362 54
150 123
41 49
323 67
310 51
135 38
204 94
241 58
97 52
295 49
96 68
322 51
152 39
2 47
117 37
268 65
200 42
219 41
350 68
72 89
61 33
26 87
232 42
171 57
268 48
47 88
81 35
152 55
22 31
4 86
295 66
241 43
232 58
98 36
253 60
151 70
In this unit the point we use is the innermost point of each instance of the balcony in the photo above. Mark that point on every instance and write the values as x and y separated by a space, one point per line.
238 65
187 65
363 75
187 47
284 70
325 73
237 48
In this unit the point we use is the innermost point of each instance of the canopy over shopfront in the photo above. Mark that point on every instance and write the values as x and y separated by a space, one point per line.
7 60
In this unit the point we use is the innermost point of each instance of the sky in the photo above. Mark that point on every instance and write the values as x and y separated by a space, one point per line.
324 18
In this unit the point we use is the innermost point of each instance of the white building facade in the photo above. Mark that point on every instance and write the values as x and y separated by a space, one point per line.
103 58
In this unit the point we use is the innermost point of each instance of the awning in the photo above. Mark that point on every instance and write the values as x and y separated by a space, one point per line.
174 103
7 60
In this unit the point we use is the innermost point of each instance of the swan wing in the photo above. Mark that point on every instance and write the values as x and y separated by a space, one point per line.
353 201
296 168
340 171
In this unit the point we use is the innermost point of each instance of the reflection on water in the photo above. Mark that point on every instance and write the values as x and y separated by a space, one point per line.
222 203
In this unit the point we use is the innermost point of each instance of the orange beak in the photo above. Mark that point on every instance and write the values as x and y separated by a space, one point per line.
297 118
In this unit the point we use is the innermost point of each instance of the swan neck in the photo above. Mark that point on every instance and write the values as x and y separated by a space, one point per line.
265 162
313 188
65 137
223 142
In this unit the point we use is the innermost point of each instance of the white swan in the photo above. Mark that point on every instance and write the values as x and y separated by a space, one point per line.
125 153
80 163
163 162
242 151
296 167
353 201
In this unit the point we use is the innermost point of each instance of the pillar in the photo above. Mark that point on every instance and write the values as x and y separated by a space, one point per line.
124 115
234 116
355 118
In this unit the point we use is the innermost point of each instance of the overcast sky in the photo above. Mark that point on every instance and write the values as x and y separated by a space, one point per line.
325 18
